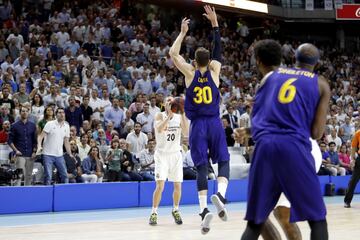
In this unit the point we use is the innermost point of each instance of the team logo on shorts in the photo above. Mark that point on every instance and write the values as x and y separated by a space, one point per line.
157 176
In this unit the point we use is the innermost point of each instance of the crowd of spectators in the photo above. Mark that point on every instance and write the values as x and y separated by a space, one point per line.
110 70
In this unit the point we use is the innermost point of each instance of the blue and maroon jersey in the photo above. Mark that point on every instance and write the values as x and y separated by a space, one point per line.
286 104
202 97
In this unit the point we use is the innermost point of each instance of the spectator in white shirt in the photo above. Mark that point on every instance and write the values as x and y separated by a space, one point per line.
153 109
137 140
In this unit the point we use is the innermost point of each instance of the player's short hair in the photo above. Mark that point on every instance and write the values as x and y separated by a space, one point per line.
268 52
202 57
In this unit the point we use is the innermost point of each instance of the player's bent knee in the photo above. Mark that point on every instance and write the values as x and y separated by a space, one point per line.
224 169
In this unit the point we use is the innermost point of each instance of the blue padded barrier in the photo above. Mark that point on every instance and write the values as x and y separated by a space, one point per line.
236 190
323 181
68 197
340 181
188 196
26 199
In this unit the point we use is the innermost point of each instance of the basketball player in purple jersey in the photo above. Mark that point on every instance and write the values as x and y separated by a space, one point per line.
290 106
202 101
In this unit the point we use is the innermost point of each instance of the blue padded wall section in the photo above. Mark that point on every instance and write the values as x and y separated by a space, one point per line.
236 190
189 193
323 181
26 199
68 197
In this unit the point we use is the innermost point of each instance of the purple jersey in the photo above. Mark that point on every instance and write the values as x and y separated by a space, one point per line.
286 104
202 97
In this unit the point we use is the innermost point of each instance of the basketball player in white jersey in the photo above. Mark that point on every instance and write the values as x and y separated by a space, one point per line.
169 127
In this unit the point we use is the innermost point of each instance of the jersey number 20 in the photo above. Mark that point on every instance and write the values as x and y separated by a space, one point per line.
203 95
287 91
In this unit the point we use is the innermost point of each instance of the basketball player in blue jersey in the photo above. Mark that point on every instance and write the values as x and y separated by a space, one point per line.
290 106
202 99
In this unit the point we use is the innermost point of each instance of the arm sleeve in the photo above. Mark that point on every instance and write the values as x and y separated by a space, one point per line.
216 51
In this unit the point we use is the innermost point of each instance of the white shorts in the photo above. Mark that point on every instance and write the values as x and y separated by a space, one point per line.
168 166
316 152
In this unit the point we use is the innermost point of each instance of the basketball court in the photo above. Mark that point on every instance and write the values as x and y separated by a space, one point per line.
132 223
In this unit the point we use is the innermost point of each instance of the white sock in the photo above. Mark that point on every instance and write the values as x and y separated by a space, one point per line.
176 208
154 210
222 188
202 202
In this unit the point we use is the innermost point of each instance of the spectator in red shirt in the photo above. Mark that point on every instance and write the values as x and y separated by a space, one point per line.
4 133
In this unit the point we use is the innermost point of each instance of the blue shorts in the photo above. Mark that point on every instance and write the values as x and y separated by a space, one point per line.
207 138
283 164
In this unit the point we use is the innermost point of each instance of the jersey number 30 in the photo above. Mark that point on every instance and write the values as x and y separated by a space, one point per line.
287 91
203 95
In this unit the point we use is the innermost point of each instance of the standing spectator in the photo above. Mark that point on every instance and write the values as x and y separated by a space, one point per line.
74 114
355 165
48 116
55 134
114 157
114 114
5 100
91 167
37 108
137 140
22 140
86 110
146 119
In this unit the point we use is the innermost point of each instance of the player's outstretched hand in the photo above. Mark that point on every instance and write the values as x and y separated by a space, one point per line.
210 13
185 25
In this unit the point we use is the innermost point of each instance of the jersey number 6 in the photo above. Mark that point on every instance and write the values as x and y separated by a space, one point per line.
203 95
287 91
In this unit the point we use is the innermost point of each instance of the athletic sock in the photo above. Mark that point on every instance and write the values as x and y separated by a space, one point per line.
154 210
222 188
202 202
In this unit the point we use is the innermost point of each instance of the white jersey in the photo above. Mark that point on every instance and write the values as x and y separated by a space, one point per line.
169 139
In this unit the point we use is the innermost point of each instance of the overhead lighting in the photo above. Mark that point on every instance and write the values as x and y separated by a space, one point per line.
242 4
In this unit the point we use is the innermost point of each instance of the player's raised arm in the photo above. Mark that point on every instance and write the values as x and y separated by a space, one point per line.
215 64
184 67
161 122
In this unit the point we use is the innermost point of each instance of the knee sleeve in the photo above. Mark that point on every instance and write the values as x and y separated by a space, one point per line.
201 179
224 169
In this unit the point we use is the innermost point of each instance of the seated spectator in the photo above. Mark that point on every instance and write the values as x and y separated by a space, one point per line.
228 132
4 133
334 138
83 147
324 169
334 158
128 171
189 171
344 159
147 162
92 167
73 165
